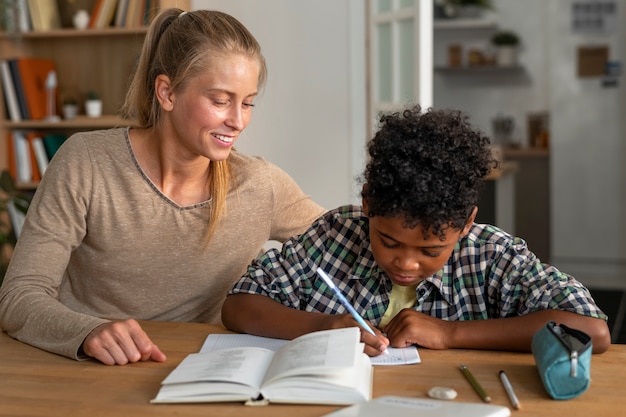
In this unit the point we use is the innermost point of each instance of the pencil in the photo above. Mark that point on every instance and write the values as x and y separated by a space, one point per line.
346 303
479 389
509 390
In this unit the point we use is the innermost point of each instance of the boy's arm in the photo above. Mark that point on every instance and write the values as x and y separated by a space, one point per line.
513 333
262 316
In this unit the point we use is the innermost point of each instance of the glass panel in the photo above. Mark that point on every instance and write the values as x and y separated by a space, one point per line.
406 85
406 4
384 6
385 64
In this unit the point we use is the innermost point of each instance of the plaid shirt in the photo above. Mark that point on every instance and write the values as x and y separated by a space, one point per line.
490 274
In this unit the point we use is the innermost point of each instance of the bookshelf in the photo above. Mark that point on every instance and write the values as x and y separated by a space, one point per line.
100 60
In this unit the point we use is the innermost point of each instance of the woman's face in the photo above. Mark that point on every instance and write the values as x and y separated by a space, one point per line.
212 109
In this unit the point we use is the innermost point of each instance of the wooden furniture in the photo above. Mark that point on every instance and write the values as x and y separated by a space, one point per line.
85 60
34 382
99 60
496 204
532 198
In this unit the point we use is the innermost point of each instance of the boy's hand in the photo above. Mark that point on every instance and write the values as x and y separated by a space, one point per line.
374 345
410 327
121 342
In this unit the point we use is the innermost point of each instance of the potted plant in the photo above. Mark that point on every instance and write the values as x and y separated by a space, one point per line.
70 108
506 44
93 105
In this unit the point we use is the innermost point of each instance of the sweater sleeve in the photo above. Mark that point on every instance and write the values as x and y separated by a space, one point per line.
54 226
293 210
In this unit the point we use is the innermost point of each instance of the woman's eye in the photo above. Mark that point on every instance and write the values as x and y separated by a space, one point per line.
248 105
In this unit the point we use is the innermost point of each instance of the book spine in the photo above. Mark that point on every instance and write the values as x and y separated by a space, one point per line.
22 158
10 96
40 154
19 89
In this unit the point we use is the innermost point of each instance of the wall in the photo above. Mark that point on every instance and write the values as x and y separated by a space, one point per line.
310 119
589 158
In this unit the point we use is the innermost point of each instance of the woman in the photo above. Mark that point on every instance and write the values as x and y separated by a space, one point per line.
155 222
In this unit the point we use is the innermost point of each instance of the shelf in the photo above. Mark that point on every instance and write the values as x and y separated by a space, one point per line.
530 152
479 23
80 122
74 33
480 70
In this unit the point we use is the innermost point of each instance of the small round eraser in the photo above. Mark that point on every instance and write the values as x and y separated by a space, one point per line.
442 393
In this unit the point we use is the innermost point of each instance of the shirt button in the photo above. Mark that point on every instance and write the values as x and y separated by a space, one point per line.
421 292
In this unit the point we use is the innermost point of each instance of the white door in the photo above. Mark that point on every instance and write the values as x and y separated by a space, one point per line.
401 55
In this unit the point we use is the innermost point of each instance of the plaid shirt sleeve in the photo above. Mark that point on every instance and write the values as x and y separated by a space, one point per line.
520 283
335 242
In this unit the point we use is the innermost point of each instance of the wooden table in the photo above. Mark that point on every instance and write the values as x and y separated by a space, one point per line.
37 383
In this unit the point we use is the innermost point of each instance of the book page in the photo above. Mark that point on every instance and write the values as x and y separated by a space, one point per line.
396 356
245 366
320 352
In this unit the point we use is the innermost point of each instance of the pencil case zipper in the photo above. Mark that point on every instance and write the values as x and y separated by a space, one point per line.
565 335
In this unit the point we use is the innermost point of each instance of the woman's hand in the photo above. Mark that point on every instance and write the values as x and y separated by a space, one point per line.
121 342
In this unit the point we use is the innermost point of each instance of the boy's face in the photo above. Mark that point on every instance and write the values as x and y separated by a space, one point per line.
405 255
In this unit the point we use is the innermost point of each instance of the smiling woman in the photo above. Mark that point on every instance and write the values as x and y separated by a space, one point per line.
157 221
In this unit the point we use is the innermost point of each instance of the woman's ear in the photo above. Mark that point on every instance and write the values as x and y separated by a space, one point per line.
164 93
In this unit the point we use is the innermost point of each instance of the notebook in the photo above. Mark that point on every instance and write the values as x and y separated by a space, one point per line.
416 407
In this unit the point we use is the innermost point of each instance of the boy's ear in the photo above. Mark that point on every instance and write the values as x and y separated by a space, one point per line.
470 221
364 202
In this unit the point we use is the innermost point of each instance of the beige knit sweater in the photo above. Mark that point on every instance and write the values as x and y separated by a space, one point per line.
100 241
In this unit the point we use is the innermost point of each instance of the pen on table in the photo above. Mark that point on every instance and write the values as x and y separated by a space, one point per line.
479 389
509 390
345 302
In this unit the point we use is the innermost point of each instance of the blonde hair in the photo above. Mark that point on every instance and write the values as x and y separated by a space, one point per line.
182 45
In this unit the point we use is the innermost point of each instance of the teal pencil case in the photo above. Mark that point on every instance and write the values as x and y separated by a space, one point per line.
563 358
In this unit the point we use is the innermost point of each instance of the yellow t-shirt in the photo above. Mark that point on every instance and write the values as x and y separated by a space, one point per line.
400 297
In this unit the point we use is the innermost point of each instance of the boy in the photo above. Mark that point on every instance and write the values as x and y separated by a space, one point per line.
411 260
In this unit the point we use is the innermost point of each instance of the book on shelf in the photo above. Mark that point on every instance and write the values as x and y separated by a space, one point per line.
19 89
10 95
11 155
394 356
134 14
33 73
120 13
35 173
14 16
52 143
103 14
38 156
23 165
325 367
44 14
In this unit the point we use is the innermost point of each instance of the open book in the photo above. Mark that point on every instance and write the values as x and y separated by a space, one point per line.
325 367
216 341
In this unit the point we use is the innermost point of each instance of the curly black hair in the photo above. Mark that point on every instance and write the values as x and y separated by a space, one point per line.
427 168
